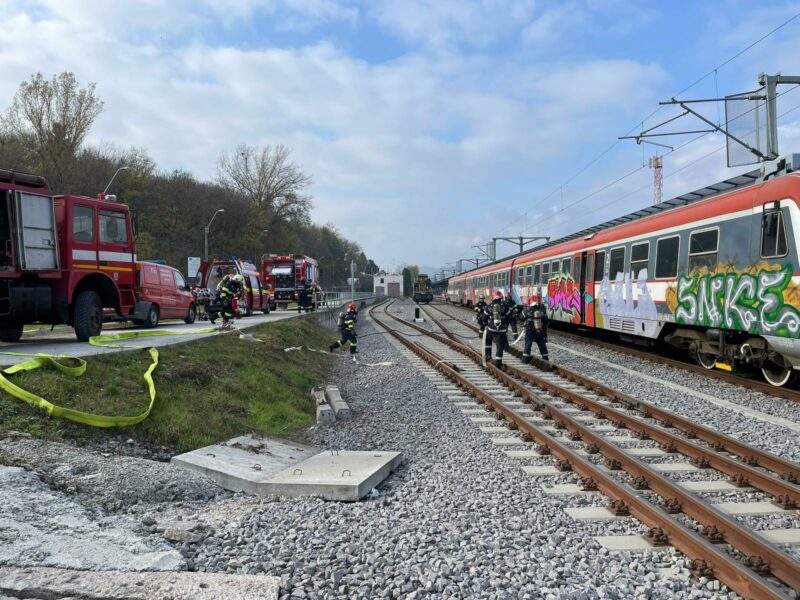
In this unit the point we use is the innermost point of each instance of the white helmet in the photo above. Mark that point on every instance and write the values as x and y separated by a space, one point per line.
238 278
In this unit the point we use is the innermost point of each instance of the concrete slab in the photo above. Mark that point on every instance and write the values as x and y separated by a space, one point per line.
344 476
521 454
495 429
243 463
483 420
602 428
645 451
619 438
565 489
592 513
782 536
48 582
507 441
628 543
748 508
540 470
709 486
679 467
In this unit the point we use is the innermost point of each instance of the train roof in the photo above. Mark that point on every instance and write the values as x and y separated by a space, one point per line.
784 165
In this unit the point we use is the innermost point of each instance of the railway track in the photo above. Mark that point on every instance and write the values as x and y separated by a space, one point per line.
790 393
559 410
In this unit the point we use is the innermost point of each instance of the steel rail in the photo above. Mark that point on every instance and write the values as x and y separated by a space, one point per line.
704 554
787 470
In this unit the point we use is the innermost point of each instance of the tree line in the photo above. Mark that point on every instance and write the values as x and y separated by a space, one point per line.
262 191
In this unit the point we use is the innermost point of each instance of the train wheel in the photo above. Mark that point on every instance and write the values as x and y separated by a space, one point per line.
707 361
777 375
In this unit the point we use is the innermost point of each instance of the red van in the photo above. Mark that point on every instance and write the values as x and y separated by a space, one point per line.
167 292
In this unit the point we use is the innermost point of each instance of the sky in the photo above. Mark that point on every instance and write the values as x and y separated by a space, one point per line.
428 126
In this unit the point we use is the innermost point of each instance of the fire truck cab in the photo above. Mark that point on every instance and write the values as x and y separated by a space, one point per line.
63 259
283 273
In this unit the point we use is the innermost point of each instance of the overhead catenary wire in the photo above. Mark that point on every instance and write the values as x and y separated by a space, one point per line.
714 71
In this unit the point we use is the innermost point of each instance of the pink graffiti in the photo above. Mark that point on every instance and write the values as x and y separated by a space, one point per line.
563 295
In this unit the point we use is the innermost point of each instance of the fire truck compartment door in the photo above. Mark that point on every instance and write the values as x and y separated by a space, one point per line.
36 232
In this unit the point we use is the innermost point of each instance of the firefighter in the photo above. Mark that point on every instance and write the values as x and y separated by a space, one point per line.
347 326
535 318
227 289
498 319
480 310
302 295
513 311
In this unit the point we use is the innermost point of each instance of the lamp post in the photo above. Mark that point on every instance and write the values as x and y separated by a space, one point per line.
103 195
219 210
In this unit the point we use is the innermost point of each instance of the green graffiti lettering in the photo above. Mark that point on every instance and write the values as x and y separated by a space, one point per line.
742 302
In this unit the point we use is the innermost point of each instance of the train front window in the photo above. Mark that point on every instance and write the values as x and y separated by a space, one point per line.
284 279
703 250
773 235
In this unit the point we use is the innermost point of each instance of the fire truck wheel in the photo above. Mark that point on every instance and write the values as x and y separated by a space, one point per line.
266 309
88 319
10 332
191 315
152 317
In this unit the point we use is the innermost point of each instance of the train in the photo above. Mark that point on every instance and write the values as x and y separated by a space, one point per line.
713 272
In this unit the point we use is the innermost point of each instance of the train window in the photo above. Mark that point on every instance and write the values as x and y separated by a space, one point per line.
566 266
599 265
667 251
545 273
703 249
640 255
616 262
773 235
576 272
554 267
537 273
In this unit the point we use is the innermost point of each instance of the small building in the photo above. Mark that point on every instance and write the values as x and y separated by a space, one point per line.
388 285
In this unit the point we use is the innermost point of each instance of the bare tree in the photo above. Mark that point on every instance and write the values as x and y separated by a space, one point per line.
56 117
268 178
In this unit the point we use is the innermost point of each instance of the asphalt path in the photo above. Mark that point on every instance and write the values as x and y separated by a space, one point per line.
61 340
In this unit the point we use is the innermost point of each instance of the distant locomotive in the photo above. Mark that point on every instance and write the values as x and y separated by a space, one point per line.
422 291
713 272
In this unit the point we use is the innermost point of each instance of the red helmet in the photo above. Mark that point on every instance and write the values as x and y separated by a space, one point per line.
351 306
498 294
533 299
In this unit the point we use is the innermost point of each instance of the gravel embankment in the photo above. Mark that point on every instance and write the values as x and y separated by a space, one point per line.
457 519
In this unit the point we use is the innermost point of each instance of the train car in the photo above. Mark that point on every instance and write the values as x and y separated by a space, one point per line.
713 272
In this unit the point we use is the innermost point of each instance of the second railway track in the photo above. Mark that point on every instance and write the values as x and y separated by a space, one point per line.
523 399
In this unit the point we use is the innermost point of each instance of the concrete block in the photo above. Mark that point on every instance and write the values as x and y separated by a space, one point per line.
495 429
592 513
338 404
748 508
508 441
782 536
521 454
566 489
344 476
243 463
325 414
319 396
628 543
709 486
540 470
49 582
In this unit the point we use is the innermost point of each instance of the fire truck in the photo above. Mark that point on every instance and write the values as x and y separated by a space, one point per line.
64 259
256 295
282 274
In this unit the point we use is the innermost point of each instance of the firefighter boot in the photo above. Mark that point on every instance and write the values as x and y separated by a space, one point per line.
498 362
333 346
526 359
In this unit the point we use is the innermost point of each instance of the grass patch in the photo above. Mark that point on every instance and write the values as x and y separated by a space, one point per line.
207 391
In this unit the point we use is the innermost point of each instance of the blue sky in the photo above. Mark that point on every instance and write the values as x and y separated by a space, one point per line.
428 126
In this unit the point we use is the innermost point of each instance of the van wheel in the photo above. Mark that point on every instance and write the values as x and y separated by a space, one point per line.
152 317
10 332
88 317
191 316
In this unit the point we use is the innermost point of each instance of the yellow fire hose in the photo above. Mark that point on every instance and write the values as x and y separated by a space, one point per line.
78 368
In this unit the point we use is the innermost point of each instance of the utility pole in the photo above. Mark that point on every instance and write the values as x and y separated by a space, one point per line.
657 164
352 281
520 240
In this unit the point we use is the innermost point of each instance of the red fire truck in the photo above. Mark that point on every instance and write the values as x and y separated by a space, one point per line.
63 259
283 272
256 295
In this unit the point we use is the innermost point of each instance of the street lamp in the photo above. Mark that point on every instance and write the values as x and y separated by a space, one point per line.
219 210
112 179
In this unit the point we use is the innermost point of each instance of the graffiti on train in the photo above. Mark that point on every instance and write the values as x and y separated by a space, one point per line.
563 296
627 305
752 302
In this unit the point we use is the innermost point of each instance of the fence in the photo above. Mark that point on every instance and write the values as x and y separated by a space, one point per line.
328 314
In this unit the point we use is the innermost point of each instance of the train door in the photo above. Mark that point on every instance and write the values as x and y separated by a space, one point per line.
583 275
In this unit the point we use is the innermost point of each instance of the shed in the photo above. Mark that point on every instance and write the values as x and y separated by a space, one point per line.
388 285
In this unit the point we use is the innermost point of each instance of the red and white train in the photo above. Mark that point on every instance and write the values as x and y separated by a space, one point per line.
714 272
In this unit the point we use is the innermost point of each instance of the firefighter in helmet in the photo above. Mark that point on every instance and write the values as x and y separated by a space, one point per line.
513 311
229 287
302 295
347 326
498 320
535 318
480 310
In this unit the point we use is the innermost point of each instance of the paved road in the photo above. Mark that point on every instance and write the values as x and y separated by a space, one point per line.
62 339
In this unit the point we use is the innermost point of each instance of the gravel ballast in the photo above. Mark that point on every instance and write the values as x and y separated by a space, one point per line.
457 519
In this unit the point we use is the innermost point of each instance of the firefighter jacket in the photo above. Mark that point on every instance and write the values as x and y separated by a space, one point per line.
498 316
535 318
347 321
228 288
